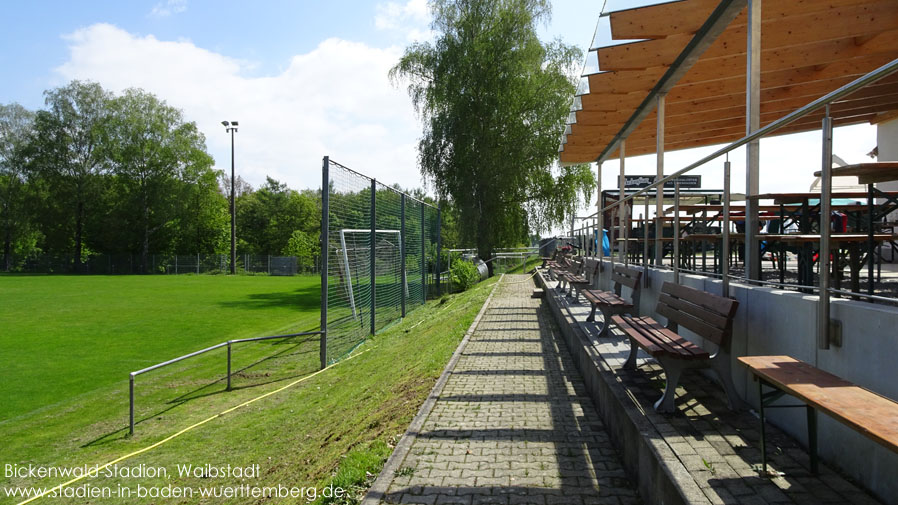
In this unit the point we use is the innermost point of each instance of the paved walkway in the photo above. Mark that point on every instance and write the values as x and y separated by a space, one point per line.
513 423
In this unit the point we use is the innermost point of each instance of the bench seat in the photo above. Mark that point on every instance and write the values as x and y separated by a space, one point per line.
657 340
578 281
706 315
611 302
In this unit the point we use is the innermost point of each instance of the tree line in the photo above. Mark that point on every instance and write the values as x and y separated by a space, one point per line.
96 172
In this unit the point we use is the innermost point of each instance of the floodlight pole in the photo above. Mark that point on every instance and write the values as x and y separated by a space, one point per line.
231 127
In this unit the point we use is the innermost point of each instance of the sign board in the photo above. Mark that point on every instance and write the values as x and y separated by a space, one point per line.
641 181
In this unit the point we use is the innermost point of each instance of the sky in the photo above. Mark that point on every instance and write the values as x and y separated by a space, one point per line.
306 79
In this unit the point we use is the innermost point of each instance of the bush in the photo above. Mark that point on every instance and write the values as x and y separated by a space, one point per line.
464 274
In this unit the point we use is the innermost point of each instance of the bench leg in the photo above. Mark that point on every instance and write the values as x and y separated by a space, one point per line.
630 364
592 314
672 371
720 363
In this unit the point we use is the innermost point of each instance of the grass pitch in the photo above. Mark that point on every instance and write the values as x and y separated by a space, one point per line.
336 427
64 336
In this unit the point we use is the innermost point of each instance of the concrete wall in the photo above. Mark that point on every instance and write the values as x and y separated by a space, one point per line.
772 322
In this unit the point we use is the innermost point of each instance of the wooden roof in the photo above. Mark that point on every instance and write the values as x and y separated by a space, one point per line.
808 48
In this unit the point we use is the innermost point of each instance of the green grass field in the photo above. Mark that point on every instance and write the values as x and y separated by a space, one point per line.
69 335
336 426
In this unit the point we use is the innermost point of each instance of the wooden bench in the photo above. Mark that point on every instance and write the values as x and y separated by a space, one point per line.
868 413
709 316
547 259
558 266
611 303
584 280
562 270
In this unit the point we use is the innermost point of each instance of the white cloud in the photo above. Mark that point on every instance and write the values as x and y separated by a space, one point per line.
411 19
335 100
167 8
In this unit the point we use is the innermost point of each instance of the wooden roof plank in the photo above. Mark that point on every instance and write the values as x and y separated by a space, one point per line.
861 20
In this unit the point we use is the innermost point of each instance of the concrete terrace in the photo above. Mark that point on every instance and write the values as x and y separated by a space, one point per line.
534 409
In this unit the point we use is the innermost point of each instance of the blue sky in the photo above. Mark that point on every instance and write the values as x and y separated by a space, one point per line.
304 78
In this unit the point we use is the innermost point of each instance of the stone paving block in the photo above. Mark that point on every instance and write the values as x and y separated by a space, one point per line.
513 423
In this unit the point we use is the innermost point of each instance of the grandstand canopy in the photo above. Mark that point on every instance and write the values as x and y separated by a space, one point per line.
808 48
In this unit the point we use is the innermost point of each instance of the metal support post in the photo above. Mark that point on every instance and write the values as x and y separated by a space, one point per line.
599 208
622 186
611 236
440 249
659 202
825 211
373 253
871 244
325 210
229 365
753 149
645 244
676 232
131 407
812 438
404 287
423 260
725 228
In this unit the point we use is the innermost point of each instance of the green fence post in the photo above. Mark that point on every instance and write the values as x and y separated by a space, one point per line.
423 259
373 253
402 249
325 209
439 251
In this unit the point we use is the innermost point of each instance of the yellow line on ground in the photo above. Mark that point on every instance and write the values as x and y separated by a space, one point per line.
191 427
525 280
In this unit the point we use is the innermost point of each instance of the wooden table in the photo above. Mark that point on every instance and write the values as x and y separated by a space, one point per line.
803 196
695 209
868 413
868 173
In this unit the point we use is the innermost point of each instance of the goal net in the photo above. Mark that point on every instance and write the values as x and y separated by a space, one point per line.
355 268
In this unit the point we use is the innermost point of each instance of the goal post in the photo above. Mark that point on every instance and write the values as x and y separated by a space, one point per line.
379 257
363 250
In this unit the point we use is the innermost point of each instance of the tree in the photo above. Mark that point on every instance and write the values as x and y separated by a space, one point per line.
68 161
16 127
304 246
267 218
493 99
157 157
241 187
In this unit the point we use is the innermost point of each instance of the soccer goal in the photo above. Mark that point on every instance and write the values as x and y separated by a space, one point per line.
356 264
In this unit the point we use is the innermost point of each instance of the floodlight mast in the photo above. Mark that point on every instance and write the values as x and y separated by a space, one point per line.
231 127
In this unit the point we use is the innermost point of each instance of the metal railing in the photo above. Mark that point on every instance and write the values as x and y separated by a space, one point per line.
229 345
824 102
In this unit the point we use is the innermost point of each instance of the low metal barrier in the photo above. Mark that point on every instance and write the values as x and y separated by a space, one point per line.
229 345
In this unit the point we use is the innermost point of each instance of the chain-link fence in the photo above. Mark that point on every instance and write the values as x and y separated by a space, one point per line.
381 257
126 264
